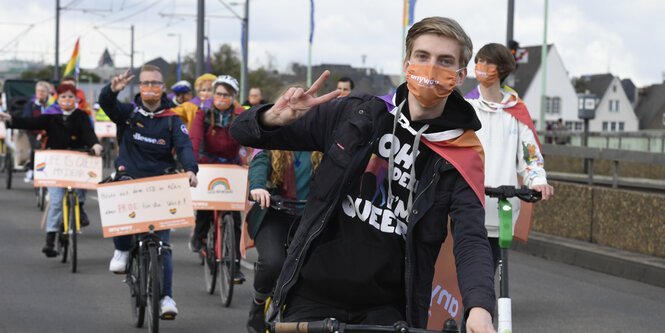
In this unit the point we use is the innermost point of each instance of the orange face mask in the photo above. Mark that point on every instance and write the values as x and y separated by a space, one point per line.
222 103
344 94
151 95
486 74
204 96
430 84
253 100
66 103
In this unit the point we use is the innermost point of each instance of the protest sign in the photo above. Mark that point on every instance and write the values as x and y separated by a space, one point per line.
446 299
221 187
64 168
132 206
3 130
105 129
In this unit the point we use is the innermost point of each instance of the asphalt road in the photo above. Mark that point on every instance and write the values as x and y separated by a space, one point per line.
42 295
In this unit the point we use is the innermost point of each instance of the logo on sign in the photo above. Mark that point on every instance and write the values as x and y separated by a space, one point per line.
92 174
219 185
173 211
41 166
132 214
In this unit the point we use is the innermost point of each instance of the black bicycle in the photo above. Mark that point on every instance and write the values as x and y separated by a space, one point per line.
218 253
143 273
332 325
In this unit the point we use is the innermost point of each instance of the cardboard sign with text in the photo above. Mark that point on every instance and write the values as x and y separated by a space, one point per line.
132 206
3 130
105 129
446 299
221 187
64 168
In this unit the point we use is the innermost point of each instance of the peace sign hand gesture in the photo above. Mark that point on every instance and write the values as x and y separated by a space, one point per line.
119 82
296 102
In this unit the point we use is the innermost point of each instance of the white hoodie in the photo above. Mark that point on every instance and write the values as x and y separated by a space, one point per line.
510 150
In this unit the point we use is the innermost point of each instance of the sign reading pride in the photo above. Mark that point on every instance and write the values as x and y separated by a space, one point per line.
64 168
221 187
132 206
105 129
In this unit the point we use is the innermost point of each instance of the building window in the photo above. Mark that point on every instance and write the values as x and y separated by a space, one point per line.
621 124
578 126
605 126
548 105
613 126
614 105
556 105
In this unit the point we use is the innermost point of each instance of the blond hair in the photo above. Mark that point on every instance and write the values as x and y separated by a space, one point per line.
281 159
441 26
150 68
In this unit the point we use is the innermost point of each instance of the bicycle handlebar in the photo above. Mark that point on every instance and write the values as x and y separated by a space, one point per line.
508 191
332 325
278 203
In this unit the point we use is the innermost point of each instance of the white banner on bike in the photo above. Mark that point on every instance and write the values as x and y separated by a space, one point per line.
221 187
105 129
132 206
3 130
64 168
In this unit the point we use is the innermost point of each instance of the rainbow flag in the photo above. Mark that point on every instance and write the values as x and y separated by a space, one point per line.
73 64
409 6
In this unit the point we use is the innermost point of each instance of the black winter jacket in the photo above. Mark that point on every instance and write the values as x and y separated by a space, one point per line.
345 130
73 132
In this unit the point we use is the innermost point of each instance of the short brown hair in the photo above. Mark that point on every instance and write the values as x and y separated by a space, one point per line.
441 26
499 55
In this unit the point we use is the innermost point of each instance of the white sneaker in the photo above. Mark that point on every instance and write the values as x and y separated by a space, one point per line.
28 176
118 263
167 308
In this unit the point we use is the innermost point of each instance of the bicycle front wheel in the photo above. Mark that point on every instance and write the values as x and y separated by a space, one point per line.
209 254
73 232
227 259
9 165
137 300
63 245
154 289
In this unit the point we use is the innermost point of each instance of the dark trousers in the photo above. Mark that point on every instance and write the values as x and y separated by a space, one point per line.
299 308
204 220
270 242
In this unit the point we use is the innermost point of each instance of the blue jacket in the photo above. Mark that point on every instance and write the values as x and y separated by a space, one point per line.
145 142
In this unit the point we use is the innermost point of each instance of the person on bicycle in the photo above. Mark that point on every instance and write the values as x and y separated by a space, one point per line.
147 133
34 108
187 110
71 129
283 173
508 136
394 169
213 143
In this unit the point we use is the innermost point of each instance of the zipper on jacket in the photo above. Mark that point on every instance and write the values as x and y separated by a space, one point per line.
407 271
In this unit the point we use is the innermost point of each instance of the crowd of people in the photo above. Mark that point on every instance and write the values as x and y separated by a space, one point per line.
381 175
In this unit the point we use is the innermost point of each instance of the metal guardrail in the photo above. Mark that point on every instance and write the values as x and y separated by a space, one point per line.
616 155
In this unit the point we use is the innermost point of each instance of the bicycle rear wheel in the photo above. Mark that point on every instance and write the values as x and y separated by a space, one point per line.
210 259
73 232
227 260
137 299
154 289
41 198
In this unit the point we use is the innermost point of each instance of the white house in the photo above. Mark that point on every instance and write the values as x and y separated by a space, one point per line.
614 110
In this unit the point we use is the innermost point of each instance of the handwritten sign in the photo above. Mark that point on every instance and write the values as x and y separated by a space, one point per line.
3 130
221 187
64 168
105 129
132 206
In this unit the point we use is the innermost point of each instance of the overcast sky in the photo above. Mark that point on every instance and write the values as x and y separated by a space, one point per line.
625 38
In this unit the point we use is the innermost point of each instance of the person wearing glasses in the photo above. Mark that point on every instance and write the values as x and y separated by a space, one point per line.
147 133
213 143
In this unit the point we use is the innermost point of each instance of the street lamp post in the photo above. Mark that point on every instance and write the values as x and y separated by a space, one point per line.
179 49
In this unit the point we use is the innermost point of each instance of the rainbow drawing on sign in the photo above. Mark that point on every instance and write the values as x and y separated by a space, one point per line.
172 211
219 182
92 174
41 166
132 214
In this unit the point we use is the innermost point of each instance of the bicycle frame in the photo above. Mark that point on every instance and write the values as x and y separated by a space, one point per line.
65 210
332 325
